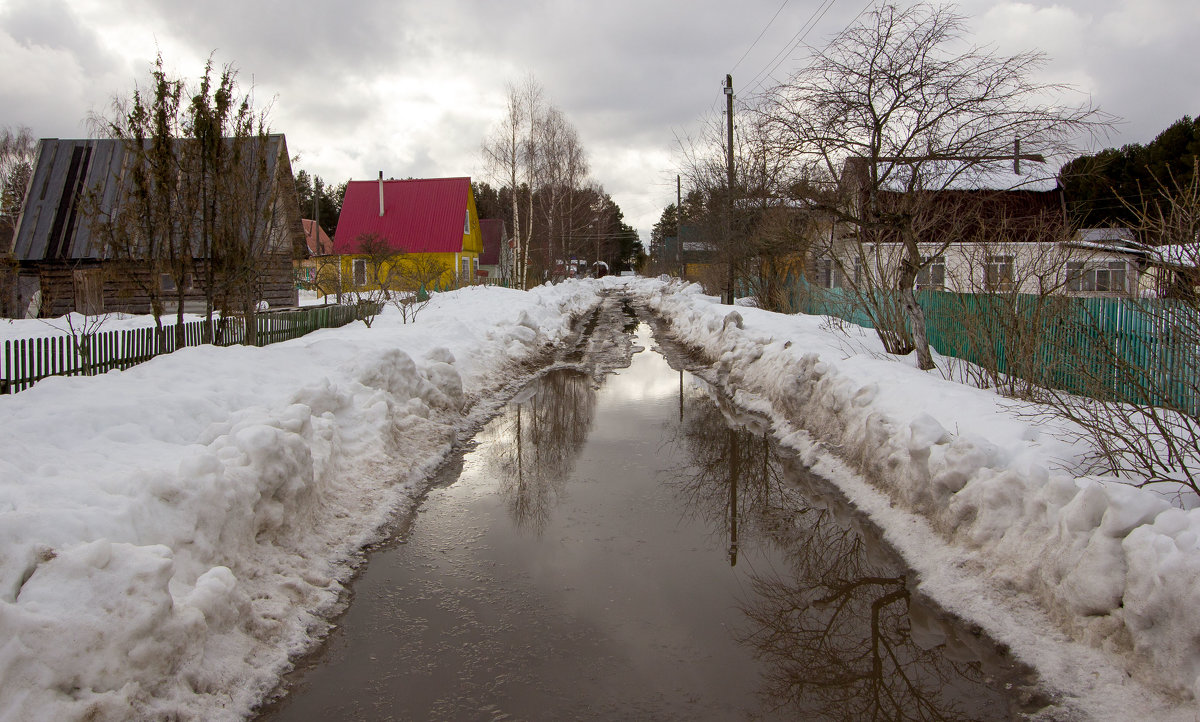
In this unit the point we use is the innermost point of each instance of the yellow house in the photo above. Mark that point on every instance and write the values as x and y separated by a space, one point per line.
430 223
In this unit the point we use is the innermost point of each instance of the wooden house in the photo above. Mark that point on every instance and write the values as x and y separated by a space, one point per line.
62 265
430 220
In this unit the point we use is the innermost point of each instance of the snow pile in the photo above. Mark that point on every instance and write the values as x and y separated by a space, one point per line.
171 533
1116 567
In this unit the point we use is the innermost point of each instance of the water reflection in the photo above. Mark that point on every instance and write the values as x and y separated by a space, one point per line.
838 628
532 448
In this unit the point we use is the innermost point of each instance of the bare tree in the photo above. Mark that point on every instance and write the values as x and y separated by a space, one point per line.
1135 388
897 102
504 157
144 227
17 151
536 155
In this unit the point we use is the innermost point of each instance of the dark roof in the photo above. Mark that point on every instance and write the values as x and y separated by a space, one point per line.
492 230
52 224
419 216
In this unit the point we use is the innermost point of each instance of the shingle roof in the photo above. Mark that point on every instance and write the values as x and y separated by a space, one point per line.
419 216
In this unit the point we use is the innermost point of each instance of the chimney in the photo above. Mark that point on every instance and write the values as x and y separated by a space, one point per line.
381 194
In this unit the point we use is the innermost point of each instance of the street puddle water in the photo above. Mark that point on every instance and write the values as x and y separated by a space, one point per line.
643 550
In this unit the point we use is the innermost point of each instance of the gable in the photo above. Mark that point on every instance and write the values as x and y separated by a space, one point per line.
418 216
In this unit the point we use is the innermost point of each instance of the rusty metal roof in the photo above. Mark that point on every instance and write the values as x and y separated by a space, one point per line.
54 224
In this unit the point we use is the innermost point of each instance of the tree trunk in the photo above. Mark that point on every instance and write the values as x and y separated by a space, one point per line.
912 310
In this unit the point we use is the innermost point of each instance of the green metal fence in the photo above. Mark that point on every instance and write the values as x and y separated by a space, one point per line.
1144 351
27 361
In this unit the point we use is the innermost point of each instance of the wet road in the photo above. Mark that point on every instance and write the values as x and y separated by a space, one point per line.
628 546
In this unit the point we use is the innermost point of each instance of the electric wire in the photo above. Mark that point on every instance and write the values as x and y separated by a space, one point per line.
791 44
764 32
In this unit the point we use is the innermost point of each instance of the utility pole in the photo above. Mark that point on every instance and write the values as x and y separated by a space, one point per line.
679 227
729 198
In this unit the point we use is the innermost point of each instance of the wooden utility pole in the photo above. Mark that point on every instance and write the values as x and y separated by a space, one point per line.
729 198
679 226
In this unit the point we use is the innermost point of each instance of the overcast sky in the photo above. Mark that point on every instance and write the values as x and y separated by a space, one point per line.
412 88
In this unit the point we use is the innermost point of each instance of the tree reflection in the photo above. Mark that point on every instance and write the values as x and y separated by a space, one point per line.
835 628
533 446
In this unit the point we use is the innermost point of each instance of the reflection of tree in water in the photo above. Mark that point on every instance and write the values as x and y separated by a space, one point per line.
732 468
533 446
835 630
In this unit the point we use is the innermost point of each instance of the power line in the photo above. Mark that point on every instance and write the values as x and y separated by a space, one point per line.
795 40
764 32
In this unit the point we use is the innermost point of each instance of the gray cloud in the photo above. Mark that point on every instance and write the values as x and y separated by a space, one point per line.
412 87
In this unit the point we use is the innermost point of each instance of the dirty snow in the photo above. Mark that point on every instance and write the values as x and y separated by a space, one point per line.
170 534
1094 582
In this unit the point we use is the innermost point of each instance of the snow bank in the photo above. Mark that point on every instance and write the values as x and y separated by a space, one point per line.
170 534
1116 567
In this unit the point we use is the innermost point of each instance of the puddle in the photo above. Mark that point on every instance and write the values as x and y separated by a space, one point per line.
635 548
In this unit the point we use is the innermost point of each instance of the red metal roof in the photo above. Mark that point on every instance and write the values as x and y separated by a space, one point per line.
419 216
492 230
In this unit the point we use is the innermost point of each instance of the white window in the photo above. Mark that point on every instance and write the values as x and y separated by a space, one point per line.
466 268
999 273
1075 276
1107 277
467 223
933 276
1111 277
360 272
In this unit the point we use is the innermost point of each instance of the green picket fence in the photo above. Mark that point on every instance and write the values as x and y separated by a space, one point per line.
27 361
1143 351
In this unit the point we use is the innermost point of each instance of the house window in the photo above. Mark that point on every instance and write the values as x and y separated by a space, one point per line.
166 282
466 268
467 223
933 276
1075 276
1108 277
825 272
1111 277
360 271
999 273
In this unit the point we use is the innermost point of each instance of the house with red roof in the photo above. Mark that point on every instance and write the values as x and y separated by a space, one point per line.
429 219
493 259
317 243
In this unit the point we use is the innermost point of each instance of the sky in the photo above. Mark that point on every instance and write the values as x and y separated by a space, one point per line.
413 88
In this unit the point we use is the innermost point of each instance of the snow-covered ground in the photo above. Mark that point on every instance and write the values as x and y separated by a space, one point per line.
1092 581
170 534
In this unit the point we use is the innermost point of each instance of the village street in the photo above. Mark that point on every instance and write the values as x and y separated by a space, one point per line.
191 523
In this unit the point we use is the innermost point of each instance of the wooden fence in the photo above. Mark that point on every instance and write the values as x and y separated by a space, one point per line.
27 361
1144 351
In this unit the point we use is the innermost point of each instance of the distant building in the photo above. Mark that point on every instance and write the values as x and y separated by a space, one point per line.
433 218
317 244
496 258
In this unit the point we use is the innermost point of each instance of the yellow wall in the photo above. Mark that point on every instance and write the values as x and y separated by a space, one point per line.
472 246
449 279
